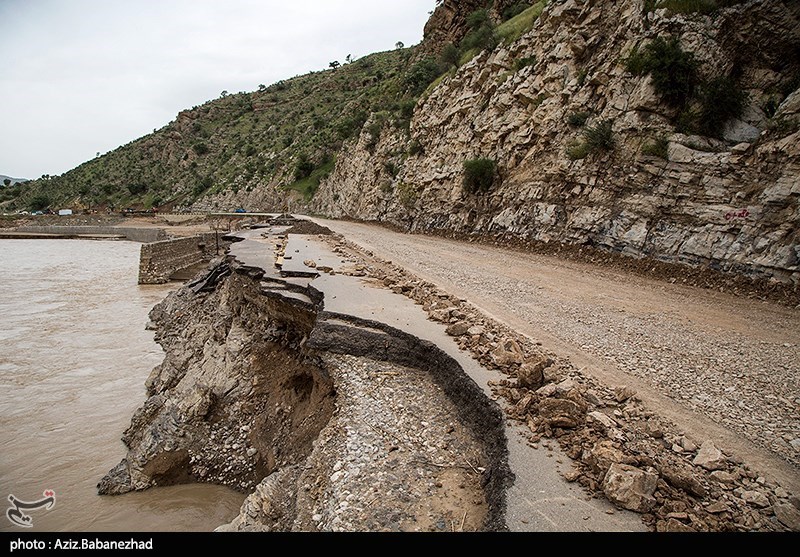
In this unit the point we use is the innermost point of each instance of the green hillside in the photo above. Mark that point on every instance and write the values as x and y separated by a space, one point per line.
285 136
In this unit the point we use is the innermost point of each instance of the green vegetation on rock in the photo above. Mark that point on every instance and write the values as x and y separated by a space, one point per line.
479 175
308 185
657 148
673 70
520 24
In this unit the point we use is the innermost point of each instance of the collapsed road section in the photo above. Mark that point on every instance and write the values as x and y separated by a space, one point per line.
330 421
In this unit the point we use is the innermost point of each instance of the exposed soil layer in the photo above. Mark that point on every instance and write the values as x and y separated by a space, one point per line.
333 423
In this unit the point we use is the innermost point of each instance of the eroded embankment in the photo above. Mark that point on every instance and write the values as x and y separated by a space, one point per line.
351 425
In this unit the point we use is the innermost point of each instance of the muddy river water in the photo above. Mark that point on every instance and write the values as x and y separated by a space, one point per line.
74 356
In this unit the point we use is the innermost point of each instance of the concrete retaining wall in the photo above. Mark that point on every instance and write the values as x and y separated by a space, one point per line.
158 261
144 235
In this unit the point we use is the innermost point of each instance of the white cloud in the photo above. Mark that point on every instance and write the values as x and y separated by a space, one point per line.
81 76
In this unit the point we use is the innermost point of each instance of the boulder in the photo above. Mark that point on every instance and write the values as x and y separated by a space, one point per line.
724 477
718 507
606 421
547 391
683 479
507 354
559 412
755 498
457 329
710 457
788 516
630 487
440 315
687 445
531 376
621 394
673 525
601 456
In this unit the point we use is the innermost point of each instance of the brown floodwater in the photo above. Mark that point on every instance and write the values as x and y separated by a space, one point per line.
74 356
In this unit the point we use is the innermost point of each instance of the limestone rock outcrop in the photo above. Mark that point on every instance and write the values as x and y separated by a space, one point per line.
727 204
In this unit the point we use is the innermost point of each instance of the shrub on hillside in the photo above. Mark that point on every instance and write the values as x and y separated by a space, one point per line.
374 131
479 175
577 119
674 71
481 35
421 75
351 125
690 6
514 10
524 62
137 188
600 136
448 57
721 100
511 30
415 148
303 168
656 148
40 202
578 151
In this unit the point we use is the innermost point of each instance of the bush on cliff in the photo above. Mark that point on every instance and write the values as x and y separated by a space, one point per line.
690 6
479 175
721 101
482 35
39 202
521 23
421 75
673 70
577 119
600 136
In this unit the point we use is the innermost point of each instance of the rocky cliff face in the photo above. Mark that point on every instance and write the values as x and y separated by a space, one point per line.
729 204
448 22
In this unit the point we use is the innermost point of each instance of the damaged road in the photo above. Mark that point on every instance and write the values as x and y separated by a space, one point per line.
325 381
330 421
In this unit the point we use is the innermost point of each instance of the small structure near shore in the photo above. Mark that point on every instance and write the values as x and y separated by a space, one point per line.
160 261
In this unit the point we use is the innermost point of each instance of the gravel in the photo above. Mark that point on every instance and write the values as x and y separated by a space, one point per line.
738 379
395 456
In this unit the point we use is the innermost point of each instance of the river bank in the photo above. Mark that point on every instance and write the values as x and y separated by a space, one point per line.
74 360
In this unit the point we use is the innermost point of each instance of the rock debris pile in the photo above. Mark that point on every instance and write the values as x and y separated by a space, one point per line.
620 449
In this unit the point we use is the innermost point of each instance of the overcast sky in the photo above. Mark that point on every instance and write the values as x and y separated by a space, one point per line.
82 76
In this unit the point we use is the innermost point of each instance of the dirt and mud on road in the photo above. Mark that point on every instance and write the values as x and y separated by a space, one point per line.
675 402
